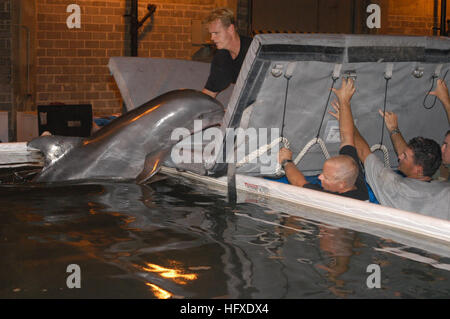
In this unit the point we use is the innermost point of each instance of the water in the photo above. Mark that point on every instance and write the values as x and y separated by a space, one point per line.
177 239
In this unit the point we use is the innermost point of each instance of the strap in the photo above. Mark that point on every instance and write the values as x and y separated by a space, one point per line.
387 77
336 71
438 70
388 71
290 70
435 75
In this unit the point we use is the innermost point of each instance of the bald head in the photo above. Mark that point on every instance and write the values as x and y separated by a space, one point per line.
343 169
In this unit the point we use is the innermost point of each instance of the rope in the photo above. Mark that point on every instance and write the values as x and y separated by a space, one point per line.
382 148
263 149
428 93
282 139
384 111
284 108
326 107
288 75
278 171
316 140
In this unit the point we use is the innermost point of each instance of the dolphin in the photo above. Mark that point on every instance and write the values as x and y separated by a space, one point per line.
133 146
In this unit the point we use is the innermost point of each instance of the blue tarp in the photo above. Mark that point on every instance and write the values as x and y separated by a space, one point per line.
316 180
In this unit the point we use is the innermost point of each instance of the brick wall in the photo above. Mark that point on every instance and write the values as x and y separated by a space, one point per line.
5 56
72 63
407 25
413 17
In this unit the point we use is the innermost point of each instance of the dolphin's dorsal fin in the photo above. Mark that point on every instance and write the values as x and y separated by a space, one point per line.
152 165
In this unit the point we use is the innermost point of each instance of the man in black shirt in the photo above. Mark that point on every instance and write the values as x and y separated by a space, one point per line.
342 174
231 51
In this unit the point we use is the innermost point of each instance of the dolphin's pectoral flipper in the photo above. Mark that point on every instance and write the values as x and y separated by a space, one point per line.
155 178
152 165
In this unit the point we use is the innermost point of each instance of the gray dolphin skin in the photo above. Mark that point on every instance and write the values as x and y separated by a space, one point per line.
132 146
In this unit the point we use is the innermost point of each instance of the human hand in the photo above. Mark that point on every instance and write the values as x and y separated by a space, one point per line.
284 154
345 93
391 120
335 105
441 91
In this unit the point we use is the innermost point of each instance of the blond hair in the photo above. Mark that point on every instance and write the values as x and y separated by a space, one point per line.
225 15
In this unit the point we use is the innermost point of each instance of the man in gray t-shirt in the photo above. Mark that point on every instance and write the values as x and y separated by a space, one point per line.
418 161
430 198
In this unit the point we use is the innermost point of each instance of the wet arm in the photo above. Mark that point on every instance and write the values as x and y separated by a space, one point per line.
346 127
361 146
293 174
399 142
391 121
447 108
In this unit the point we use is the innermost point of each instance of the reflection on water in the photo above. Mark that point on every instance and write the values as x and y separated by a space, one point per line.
174 274
179 240
159 292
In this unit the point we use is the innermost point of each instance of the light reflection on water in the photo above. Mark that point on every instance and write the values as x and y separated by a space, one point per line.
179 240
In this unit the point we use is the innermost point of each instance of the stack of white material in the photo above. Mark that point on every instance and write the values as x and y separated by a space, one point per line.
18 154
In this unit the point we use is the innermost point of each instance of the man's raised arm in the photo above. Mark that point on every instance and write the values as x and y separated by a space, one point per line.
345 117
442 93
391 121
346 127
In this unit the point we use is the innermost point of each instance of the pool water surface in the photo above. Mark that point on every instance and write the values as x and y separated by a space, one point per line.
178 239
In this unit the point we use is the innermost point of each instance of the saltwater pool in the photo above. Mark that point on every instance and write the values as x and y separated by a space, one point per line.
179 239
